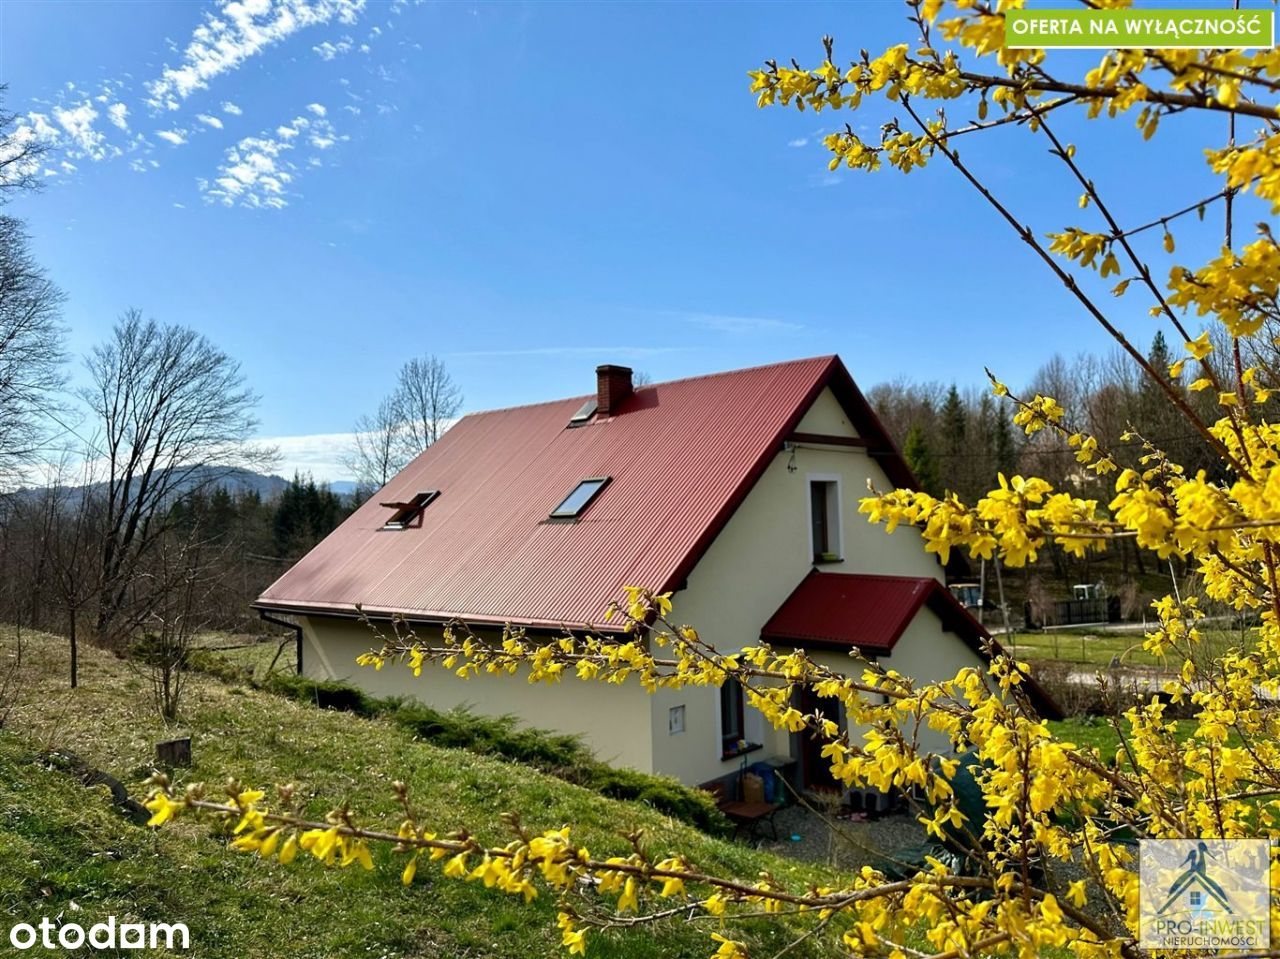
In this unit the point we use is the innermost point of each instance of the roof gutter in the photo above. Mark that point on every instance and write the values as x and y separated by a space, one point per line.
266 617
333 612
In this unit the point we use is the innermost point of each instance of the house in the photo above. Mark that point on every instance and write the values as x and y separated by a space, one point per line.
737 491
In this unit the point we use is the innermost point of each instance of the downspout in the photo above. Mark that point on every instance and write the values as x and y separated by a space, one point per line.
266 617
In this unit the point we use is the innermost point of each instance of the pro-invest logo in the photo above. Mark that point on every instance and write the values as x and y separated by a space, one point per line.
1201 894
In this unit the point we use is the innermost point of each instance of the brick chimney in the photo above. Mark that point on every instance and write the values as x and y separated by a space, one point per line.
613 386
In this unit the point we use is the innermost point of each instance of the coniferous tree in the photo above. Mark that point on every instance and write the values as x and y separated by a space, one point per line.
952 443
920 458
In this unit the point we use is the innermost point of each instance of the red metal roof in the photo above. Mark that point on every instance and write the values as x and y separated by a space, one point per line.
849 609
681 455
844 610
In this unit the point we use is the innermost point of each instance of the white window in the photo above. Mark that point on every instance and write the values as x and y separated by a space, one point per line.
824 519
675 720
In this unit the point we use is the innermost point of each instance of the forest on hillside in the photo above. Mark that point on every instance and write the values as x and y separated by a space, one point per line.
961 440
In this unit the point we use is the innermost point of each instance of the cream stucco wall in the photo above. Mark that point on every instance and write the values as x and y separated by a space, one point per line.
760 556
612 720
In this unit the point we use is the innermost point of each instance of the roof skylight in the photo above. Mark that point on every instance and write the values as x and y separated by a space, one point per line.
581 497
585 412
406 513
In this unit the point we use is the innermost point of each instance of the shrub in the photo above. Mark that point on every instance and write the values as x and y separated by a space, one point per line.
557 754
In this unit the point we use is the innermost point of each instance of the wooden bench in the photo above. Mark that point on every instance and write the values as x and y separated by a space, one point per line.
744 815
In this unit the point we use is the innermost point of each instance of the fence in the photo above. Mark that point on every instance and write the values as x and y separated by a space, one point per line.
1072 612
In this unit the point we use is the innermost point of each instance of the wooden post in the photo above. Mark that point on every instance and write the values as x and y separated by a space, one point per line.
174 752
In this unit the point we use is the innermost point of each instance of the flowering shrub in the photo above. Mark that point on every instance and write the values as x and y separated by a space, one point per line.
1050 861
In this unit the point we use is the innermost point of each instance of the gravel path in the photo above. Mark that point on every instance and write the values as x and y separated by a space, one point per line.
883 835
848 844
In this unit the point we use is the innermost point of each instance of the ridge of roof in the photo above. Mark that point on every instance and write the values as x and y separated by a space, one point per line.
649 386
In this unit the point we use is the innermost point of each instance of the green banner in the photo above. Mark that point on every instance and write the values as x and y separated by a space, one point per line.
1043 29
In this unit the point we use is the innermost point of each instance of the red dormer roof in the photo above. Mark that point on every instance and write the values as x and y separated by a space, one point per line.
843 611
680 457
847 610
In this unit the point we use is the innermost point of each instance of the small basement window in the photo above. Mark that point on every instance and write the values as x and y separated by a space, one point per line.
406 513
581 497
824 520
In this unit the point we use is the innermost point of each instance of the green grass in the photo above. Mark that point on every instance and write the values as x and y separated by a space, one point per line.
1099 648
1097 732
562 756
61 842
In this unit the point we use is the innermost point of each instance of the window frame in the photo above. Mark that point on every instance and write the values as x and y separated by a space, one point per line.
406 513
559 513
725 749
833 515
585 414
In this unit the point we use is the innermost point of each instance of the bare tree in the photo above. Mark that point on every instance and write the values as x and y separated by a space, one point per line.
425 400
20 153
70 519
379 447
184 574
175 416
31 355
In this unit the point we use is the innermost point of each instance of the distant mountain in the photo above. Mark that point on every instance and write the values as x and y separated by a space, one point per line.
234 480
237 481
269 487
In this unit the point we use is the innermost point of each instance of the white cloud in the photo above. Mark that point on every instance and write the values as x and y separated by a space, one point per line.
176 137
77 124
259 171
209 121
738 325
38 125
639 351
317 109
253 175
231 108
29 129
320 454
236 32
117 113
330 51
798 142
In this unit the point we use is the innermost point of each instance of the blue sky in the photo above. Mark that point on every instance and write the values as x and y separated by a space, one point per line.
528 190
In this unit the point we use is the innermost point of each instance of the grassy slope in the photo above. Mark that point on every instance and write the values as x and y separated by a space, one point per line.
61 842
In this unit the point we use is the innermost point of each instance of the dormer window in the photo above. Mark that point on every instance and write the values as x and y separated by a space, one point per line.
407 513
572 505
